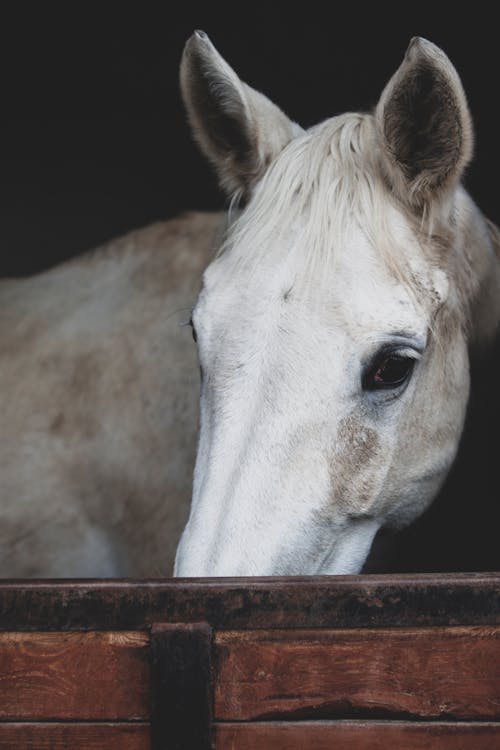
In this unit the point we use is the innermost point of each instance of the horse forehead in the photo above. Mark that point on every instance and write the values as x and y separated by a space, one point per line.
349 285
365 294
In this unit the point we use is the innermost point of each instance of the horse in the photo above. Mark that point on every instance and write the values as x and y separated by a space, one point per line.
340 298
335 324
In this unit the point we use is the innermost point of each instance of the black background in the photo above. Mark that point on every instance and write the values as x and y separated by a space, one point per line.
93 142
93 139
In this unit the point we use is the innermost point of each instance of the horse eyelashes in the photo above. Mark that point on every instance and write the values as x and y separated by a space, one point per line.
388 371
193 330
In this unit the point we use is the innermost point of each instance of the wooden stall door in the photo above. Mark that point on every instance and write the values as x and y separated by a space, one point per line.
348 663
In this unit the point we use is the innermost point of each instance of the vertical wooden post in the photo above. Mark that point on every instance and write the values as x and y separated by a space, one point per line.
181 686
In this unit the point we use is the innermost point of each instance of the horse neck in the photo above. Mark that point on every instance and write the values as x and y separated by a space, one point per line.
479 248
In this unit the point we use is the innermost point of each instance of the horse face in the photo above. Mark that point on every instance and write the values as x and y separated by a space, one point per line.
334 362
327 410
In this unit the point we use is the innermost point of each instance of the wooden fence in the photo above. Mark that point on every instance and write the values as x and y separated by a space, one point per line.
354 662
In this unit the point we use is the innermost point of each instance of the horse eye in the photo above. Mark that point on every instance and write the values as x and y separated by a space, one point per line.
193 330
389 372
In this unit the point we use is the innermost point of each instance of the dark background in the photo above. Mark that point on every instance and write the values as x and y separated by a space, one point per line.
93 139
93 143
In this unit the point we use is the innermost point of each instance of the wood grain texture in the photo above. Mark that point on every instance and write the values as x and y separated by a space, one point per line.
103 676
425 673
357 736
312 602
55 736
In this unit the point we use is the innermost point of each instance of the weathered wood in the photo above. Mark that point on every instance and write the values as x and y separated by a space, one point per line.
181 716
69 736
425 673
316 602
359 735
103 675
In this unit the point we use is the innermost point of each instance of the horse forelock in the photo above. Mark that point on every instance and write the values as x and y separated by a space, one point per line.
322 183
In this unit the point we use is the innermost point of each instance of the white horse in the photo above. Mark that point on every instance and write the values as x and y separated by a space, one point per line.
334 325
333 329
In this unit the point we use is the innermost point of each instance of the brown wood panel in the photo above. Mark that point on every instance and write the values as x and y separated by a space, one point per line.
69 736
298 602
357 736
426 673
103 675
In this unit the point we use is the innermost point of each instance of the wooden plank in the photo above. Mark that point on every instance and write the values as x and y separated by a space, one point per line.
181 716
429 672
318 601
102 675
69 736
357 736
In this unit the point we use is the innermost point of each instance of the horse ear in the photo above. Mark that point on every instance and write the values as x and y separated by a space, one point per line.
424 125
238 129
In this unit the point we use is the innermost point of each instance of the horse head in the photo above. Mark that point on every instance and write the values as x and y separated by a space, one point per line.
333 326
